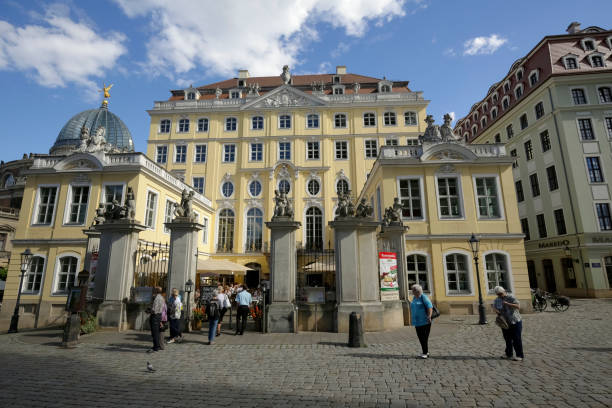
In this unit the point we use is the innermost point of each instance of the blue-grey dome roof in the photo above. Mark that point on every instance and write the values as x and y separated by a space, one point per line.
116 134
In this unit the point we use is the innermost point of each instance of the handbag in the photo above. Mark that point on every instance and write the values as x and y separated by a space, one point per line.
434 310
501 322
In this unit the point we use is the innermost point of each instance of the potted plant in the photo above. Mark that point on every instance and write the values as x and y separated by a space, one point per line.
197 316
257 315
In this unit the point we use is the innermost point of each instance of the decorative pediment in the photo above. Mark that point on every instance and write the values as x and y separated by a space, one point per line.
79 162
284 96
447 152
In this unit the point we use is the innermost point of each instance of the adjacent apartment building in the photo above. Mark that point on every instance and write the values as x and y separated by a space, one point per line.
553 111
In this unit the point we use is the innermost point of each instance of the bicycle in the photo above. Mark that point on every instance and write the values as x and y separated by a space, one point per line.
538 300
559 303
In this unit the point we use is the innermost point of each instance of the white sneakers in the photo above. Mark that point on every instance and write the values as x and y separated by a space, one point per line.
517 358
424 356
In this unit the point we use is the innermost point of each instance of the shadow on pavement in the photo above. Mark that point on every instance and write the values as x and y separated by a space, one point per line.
595 349
411 357
332 343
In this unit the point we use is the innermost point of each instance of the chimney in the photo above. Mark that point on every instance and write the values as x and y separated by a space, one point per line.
243 73
573 28
340 69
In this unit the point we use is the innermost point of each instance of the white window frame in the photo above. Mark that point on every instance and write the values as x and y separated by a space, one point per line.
221 189
318 181
168 218
429 268
416 118
251 160
263 122
391 138
596 218
278 182
494 113
586 96
35 213
103 191
346 119
460 195
348 153
318 148
422 196
470 271
176 146
363 116
521 70
260 187
575 57
304 228
278 150
234 90
207 125
508 265
609 41
56 271
590 118
223 153
597 88
245 220
395 116
178 125
502 214
290 121
203 184
602 170
365 148
159 129
43 274
154 221
506 85
205 229
584 41
318 121
225 122
68 204
157 154
340 87
195 153
537 74
516 88
505 98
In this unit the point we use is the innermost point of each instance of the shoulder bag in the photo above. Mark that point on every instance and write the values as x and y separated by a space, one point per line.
434 311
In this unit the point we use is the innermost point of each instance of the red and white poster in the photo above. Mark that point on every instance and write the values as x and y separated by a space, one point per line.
389 287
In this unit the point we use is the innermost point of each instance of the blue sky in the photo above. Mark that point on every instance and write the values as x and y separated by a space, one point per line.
55 55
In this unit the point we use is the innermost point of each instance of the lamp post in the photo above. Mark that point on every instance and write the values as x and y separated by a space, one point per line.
26 258
475 246
188 290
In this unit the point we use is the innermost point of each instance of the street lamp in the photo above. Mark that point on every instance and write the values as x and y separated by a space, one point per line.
188 289
26 258
475 246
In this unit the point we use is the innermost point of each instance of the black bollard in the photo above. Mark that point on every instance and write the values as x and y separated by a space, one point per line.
356 331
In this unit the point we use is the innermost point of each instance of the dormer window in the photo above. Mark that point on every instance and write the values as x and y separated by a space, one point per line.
241 83
475 116
507 86
494 98
588 44
235 94
609 41
474 130
191 94
338 89
519 74
506 102
570 61
534 77
483 123
596 60
493 113
485 107
336 79
518 91
385 86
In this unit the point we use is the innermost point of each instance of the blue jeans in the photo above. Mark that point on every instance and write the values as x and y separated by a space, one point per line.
212 329
512 335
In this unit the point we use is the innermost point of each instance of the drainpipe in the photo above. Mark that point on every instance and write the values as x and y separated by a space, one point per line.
571 201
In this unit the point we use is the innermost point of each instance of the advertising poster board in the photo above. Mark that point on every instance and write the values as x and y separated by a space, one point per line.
315 294
389 287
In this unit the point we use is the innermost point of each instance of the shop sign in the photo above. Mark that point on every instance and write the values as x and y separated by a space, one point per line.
595 265
389 287
602 240
553 244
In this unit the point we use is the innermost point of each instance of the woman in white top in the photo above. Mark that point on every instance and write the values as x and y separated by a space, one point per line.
224 304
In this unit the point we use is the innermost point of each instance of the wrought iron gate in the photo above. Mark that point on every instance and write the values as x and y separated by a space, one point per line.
151 264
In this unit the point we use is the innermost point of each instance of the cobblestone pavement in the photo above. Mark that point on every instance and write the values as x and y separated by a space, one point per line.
568 363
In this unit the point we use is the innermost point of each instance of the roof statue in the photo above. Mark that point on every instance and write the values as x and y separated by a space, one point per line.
432 132
356 87
105 89
218 93
446 131
286 75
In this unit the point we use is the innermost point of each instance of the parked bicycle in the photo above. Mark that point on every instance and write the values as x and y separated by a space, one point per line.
540 300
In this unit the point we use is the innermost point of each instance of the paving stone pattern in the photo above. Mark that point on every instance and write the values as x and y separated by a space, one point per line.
568 363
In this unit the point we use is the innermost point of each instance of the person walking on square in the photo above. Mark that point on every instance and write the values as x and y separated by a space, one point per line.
507 307
163 325
420 310
174 314
243 299
212 313
155 318
224 303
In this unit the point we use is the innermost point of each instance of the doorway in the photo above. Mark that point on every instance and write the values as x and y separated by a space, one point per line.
533 280
549 276
252 275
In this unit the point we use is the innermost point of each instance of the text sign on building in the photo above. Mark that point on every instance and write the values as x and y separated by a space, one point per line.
389 288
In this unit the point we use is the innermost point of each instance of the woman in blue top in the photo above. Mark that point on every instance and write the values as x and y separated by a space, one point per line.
420 310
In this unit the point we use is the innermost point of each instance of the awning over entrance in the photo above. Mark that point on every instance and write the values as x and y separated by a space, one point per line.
221 266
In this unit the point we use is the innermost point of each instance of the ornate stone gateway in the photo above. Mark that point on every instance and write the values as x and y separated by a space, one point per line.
316 288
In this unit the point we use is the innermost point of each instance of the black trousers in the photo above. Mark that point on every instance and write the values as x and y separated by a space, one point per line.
155 321
423 334
175 328
241 318
512 336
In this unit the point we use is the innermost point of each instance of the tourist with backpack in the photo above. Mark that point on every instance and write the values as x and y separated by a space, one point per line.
213 310
174 314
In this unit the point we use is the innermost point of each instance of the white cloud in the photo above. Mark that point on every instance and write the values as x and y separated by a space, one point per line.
59 51
483 45
261 36
342 48
449 52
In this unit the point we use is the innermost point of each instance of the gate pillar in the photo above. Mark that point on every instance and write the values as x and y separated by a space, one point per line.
183 252
115 272
357 281
281 314
392 237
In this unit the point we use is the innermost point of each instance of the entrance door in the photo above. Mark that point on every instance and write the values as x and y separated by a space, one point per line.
252 277
533 280
549 275
608 265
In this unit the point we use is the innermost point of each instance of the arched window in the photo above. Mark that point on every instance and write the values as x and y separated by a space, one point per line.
457 277
496 266
34 275
203 125
416 268
66 274
342 186
225 242
284 186
314 228
254 230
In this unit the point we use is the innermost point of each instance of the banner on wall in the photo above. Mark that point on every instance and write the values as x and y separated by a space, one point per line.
389 287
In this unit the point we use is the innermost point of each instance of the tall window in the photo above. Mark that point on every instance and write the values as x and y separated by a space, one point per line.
448 196
603 216
341 150
560 221
528 150
181 153
183 125
416 268
284 150
498 138
203 125
410 118
506 103
66 274
524 122
313 151
541 225
493 113
371 149
578 97
284 122
457 273
205 230
553 184
162 154
229 153
369 119
496 265
410 196
390 119
312 121
488 198
257 122
518 92
168 212
164 126
535 185
198 184
46 205
525 228
256 151
78 204
520 196
340 120
200 153
225 243
342 186
33 277
151 209
539 110
314 228
509 131
595 173
605 94
254 230
545 140
112 192
586 129
609 127
231 124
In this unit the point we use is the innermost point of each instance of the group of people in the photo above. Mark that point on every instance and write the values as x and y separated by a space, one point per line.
505 306
218 305
165 314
